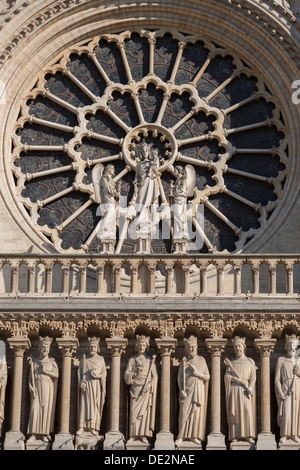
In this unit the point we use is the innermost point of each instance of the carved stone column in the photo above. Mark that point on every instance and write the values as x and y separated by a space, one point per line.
14 439
265 440
64 440
216 440
114 439
164 438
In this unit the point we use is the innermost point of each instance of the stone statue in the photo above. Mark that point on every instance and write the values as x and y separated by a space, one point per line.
240 379
147 191
193 378
141 375
92 389
107 194
179 207
43 378
287 389
3 382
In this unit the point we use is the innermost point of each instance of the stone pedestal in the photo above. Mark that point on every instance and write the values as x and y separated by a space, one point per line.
266 441
242 445
88 441
137 445
63 441
289 444
14 440
188 445
114 440
216 441
164 441
37 444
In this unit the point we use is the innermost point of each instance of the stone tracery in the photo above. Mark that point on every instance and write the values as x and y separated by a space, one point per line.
192 101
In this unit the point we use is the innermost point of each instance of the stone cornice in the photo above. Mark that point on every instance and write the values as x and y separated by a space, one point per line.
24 18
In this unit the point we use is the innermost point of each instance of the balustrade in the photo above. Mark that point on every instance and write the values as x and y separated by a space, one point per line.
239 275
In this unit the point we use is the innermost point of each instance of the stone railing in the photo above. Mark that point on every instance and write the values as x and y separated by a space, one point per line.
151 275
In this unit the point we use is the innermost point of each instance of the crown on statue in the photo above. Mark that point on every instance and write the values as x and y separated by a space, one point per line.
94 341
239 339
46 340
190 340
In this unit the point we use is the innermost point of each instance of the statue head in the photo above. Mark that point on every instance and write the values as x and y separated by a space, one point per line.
291 344
142 344
44 345
109 169
239 345
93 345
191 346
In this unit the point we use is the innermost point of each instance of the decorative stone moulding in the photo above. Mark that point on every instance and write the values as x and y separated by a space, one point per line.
194 101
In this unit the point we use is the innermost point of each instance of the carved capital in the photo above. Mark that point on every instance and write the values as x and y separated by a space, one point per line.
67 346
116 346
166 346
216 346
19 345
265 347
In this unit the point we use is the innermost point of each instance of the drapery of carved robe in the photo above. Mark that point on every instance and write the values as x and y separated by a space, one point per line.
42 409
3 382
92 371
108 195
287 383
148 193
193 408
143 390
240 406
180 209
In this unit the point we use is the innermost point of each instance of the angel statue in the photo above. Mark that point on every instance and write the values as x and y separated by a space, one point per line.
107 194
182 189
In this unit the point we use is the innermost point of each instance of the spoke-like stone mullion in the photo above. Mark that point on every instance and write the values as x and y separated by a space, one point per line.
220 87
74 216
202 234
152 43
55 197
195 140
80 85
101 70
181 46
221 216
56 99
121 47
53 171
53 125
104 138
249 175
201 71
117 120
183 120
241 199
193 161
249 127
240 104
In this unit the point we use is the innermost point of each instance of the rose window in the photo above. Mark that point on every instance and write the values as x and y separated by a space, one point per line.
154 105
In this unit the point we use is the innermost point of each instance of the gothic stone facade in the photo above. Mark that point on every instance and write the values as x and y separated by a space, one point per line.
191 103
